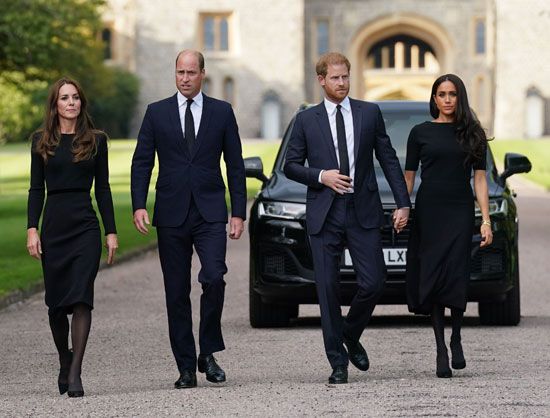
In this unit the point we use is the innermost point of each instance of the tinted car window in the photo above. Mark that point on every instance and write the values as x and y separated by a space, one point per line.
398 127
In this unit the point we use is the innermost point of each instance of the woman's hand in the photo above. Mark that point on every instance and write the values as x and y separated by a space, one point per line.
111 243
33 243
486 235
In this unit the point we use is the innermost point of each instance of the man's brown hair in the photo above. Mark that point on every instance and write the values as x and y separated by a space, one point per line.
330 58
197 54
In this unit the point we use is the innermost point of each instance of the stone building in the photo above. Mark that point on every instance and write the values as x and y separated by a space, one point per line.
261 54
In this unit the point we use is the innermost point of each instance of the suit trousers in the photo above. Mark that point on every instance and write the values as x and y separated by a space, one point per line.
175 251
342 229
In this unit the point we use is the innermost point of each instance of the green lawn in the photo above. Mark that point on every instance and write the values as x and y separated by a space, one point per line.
538 152
17 269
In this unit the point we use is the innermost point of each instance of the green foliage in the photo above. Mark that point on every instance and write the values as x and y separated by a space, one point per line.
43 40
113 110
19 109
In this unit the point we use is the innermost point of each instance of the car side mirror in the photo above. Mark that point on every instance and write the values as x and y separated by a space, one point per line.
254 168
514 164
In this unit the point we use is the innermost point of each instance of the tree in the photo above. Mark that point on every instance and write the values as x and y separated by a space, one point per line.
43 40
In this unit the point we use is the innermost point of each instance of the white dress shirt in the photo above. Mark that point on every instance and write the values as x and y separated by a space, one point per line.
348 123
196 110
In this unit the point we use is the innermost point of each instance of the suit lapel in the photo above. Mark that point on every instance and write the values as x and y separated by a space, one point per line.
324 125
357 114
176 124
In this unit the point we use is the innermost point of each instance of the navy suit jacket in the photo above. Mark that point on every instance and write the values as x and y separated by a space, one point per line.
184 174
311 140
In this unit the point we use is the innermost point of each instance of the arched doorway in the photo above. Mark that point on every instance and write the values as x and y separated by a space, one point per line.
398 57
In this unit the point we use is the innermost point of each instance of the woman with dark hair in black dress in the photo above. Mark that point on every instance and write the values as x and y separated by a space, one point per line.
438 258
67 156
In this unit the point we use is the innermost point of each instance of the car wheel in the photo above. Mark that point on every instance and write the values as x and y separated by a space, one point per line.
507 312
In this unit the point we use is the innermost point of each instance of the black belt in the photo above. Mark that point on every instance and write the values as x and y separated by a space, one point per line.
344 196
76 190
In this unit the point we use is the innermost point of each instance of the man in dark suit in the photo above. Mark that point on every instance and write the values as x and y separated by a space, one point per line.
338 138
189 132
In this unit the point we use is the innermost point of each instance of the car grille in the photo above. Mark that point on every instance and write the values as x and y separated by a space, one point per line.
280 262
488 260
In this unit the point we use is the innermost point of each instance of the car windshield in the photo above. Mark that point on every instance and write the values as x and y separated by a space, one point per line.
398 126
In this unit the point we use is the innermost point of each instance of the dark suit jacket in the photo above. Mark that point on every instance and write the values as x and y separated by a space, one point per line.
311 140
183 174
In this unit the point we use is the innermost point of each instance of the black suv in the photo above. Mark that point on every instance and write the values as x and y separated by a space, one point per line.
281 268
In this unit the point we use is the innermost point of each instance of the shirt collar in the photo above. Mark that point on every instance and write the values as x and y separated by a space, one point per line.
331 107
182 100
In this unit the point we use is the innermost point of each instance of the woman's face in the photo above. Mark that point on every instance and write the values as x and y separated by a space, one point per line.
446 98
68 102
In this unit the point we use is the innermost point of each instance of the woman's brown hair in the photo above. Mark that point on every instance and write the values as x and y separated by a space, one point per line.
84 144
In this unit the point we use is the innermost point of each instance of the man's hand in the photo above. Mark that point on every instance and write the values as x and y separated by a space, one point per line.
336 181
400 218
236 227
33 243
111 243
141 218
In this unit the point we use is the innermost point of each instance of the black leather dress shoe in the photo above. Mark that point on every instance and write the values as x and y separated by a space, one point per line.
339 375
214 373
188 379
357 354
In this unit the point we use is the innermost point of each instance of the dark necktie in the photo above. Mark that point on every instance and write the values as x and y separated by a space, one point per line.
189 126
342 144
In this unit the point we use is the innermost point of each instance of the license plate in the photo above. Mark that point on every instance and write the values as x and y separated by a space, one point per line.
392 257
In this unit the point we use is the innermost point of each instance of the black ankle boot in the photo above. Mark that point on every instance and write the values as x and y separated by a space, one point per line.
458 360
442 364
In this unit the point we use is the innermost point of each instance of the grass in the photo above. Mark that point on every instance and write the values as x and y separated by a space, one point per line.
18 271
538 152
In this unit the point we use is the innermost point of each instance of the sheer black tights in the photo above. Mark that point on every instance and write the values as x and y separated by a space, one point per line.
80 329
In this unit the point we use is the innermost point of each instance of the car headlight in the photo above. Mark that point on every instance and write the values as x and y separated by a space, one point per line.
282 210
496 206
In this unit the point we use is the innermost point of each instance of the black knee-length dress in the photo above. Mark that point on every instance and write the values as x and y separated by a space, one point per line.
70 233
438 255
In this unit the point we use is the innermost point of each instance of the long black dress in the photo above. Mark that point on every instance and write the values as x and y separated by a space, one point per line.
438 255
70 234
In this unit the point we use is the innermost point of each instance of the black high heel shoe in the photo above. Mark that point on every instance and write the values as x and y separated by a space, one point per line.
76 390
63 378
442 365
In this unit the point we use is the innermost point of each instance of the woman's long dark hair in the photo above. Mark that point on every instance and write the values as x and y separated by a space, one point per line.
84 144
470 134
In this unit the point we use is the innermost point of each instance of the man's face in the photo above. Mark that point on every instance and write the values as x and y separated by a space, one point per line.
336 82
189 75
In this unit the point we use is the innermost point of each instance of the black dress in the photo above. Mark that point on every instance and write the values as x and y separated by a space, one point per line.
70 234
438 255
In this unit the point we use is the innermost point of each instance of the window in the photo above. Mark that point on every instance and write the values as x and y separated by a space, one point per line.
106 38
215 28
229 90
400 52
480 37
322 40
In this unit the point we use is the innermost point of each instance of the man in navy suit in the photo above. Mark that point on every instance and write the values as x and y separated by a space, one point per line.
189 132
338 138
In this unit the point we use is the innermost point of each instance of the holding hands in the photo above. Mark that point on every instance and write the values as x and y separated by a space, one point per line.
400 218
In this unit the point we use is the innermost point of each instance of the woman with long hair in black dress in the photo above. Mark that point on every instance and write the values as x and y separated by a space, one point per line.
448 148
67 156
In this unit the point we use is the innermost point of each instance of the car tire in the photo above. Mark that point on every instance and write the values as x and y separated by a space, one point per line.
507 312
